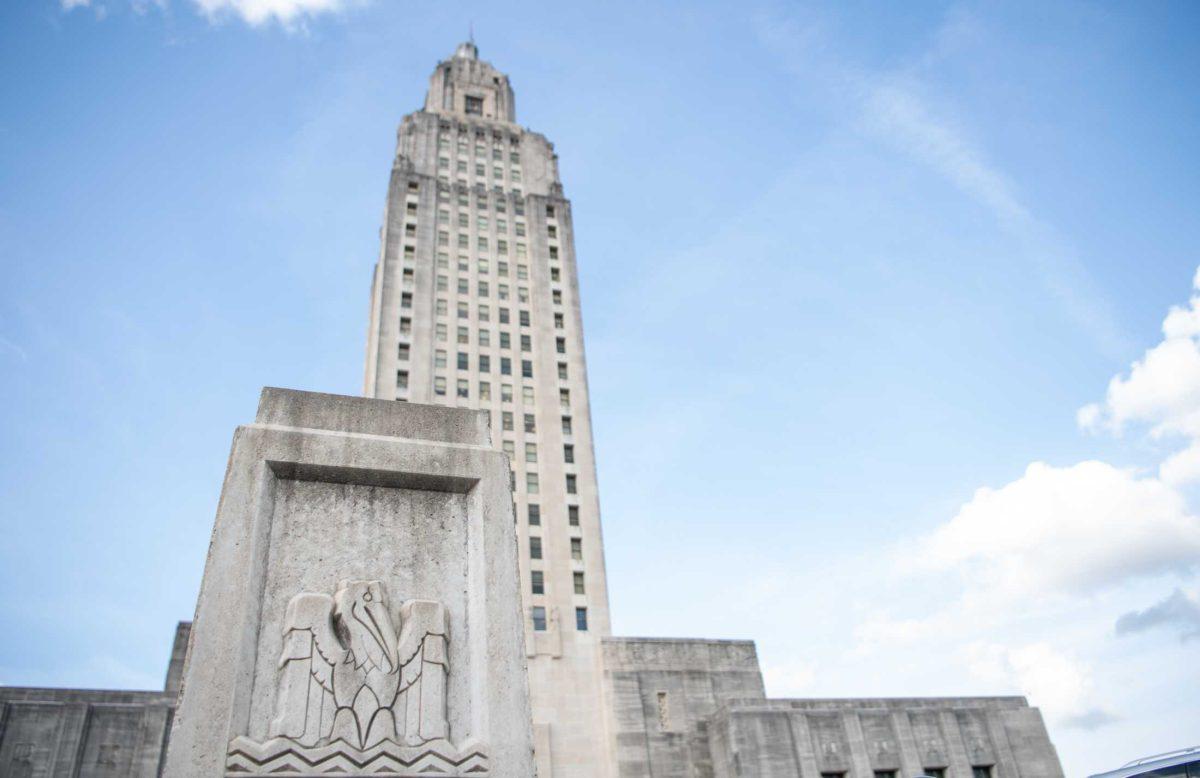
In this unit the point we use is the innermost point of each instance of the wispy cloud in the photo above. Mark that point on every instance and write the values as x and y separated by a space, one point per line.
290 14
900 109
259 12
7 346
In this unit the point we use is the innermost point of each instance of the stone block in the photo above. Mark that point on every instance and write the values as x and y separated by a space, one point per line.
360 610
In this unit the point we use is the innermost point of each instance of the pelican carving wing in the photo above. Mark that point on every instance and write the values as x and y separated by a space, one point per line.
311 650
421 702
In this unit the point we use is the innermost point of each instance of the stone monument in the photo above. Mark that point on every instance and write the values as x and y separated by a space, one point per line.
360 610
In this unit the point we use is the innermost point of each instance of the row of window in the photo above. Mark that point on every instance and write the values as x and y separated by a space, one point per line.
977 771
533 512
532 487
537 581
480 169
538 615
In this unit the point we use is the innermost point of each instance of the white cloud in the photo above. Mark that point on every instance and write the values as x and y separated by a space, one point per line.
1182 467
1067 530
1057 682
1162 389
257 12
68 5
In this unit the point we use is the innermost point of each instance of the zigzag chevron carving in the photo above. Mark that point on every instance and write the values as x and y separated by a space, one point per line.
282 756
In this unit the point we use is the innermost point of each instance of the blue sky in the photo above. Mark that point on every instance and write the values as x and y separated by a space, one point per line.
876 300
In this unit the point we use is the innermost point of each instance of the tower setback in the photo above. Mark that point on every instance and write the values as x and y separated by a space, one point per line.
475 304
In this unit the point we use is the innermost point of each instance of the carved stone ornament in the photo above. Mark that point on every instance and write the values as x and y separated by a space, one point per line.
357 696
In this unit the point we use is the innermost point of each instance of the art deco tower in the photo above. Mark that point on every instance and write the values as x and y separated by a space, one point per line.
475 303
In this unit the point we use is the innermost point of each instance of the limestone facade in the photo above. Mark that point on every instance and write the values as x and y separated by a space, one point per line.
475 304
696 709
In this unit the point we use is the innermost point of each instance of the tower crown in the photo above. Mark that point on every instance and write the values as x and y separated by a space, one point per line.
466 86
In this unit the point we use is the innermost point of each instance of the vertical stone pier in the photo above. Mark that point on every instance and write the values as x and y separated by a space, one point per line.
360 608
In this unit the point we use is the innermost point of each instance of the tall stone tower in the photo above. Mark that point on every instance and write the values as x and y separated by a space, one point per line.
475 303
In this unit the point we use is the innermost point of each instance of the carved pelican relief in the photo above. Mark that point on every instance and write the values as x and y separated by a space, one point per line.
347 674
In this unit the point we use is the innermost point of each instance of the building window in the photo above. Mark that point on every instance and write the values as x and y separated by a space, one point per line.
531 483
506 421
558 321
443 283
522 272
485 313
485 363
527 343
406 299
885 774
554 274
401 379
485 338
935 772
441 333
464 335
463 287
581 619
526 368
577 576
535 547
569 453
439 386
981 771
464 390
502 291
506 392
402 352
530 423
504 319
573 515
535 514
539 618
485 390
577 549
571 488
473 105
439 358
564 398
537 580
531 452
554 252
524 318
482 289
505 340
442 307
566 425
560 345
463 311
463 361
562 371
556 296
527 395
505 366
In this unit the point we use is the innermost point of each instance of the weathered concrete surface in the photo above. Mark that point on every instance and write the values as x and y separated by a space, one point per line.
87 732
324 489
659 694
865 737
